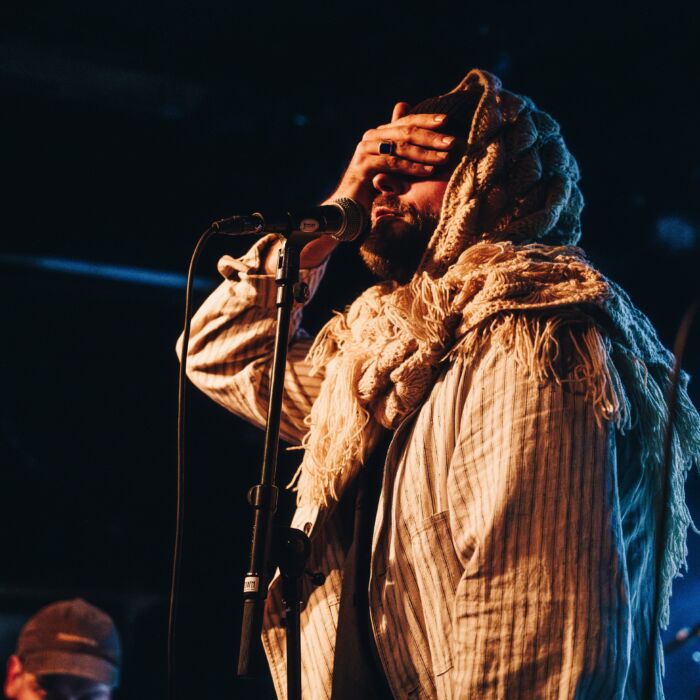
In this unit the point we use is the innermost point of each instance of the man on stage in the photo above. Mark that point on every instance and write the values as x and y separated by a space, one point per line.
483 428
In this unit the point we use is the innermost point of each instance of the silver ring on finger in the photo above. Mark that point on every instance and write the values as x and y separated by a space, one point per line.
387 148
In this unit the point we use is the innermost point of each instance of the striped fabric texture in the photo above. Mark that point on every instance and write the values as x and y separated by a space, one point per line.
498 564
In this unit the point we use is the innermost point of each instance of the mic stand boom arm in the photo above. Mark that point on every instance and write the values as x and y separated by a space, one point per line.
263 496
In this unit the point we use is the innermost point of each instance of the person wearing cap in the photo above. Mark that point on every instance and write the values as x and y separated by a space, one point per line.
69 650
482 428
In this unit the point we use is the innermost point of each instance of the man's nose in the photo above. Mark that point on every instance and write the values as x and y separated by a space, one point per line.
390 183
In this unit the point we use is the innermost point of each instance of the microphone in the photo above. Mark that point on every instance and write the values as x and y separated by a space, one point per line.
342 219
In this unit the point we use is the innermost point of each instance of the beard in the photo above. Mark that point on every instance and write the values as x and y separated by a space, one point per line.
395 246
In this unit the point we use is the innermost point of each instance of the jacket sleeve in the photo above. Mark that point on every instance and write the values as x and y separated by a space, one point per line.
542 607
232 341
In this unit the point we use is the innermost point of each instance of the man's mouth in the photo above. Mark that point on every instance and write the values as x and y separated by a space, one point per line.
385 212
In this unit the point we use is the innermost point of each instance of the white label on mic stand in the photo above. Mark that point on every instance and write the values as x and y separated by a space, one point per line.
308 225
251 584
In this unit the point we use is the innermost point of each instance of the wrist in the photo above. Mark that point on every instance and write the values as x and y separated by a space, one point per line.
317 252
312 254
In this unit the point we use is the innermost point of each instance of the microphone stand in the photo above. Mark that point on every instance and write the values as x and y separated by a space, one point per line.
295 544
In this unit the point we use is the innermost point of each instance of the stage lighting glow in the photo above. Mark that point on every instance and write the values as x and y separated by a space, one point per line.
118 273
676 233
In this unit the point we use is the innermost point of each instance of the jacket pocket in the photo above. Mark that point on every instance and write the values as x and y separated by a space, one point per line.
438 572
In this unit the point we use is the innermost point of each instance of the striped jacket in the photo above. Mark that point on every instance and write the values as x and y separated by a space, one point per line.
498 563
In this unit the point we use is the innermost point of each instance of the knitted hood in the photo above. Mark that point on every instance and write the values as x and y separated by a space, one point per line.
517 181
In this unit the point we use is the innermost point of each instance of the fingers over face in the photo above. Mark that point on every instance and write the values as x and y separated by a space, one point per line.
427 121
410 134
396 164
405 149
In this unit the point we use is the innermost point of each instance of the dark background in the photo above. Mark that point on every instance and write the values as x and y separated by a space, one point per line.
127 127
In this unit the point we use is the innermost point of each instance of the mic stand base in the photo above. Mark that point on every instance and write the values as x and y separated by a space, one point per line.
293 555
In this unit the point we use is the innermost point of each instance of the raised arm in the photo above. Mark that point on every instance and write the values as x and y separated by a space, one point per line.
233 332
232 338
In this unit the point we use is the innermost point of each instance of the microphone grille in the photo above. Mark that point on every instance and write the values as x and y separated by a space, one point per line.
354 219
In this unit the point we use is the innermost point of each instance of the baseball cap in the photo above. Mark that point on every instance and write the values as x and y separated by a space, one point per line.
71 637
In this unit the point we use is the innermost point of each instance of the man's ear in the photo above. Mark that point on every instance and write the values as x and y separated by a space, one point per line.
13 677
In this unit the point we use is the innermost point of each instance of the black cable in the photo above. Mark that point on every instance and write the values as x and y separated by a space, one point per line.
179 506
662 522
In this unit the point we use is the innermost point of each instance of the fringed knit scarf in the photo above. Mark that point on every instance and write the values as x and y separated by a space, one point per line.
381 358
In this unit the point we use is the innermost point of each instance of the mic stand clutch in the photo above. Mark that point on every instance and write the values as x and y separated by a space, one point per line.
263 496
294 552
